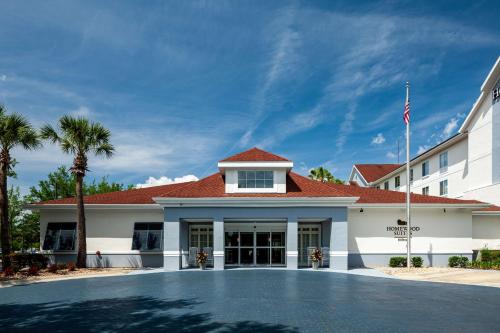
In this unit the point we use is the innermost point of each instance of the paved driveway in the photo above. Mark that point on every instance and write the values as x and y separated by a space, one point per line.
248 301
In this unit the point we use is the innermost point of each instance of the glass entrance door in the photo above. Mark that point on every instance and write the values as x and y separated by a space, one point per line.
308 237
255 246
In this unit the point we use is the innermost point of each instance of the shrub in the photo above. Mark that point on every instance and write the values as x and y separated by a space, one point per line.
62 266
458 261
488 255
52 268
71 266
32 271
397 262
474 264
21 260
417 261
8 272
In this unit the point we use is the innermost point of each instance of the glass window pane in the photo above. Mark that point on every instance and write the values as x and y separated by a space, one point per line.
154 240
250 175
278 239
278 256
242 183
50 239
246 256
242 175
251 183
260 175
231 238
262 255
262 239
259 184
269 175
246 238
269 183
155 226
231 256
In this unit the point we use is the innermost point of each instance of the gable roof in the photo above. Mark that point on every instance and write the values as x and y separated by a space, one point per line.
255 155
214 187
372 172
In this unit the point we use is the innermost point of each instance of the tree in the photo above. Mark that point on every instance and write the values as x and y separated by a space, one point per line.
323 175
15 131
61 184
25 225
80 137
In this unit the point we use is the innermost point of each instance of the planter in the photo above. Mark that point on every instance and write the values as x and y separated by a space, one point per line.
315 265
202 266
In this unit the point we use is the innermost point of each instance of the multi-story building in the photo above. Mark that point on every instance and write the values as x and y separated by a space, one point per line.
466 166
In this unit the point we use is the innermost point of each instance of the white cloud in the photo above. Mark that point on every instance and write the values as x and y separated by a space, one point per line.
164 180
3 77
379 139
422 149
82 111
451 126
391 155
345 129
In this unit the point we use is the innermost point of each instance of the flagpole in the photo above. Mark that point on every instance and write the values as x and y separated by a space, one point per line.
408 222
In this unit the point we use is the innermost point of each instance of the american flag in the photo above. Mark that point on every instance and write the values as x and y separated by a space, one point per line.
406 115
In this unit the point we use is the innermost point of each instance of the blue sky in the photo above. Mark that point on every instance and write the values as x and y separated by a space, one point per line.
184 84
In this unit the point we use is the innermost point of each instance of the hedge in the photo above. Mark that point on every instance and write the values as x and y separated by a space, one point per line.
401 262
22 260
458 261
490 255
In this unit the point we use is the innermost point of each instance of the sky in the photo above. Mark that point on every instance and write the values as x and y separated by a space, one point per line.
184 84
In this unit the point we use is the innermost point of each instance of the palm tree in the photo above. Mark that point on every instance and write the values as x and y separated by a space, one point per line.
15 130
80 137
323 175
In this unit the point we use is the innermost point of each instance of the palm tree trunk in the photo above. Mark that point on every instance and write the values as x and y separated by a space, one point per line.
4 216
81 259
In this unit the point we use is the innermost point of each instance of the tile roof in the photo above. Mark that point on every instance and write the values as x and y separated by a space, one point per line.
372 172
214 187
135 196
371 195
297 186
255 155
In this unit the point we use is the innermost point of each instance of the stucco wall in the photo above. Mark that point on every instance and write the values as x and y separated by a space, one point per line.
110 232
485 232
440 234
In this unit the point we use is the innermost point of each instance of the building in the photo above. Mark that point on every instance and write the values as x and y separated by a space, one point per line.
255 211
465 166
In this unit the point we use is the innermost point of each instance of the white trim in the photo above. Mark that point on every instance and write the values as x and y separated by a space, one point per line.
419 205
492 212
171 253
255 164
292 253
338 253
256 201
92 206
218 253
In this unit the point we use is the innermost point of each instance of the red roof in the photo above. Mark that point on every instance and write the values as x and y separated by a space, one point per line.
297 186
372 172
214 187
370 195
490 209
136 196
255 155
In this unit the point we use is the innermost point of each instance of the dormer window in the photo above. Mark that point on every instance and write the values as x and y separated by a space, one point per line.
255 179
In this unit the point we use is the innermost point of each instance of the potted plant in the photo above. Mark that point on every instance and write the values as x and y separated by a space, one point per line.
201 259
316 257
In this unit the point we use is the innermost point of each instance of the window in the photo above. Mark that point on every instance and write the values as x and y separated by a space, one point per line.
255 179
397 181
425 190
443 187
411 175
60 237
378 187
147 236
425 168
443 161
386 185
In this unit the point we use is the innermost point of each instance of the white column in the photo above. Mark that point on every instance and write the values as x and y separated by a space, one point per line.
292 252
218 243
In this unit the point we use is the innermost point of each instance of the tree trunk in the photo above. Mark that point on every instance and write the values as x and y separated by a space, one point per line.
81 259
4 216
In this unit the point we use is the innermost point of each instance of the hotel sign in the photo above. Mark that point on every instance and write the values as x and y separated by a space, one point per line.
400 230
496 94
